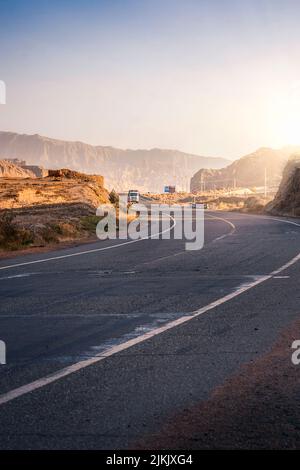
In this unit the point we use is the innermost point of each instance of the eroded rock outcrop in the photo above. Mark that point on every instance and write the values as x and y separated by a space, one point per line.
287 199
10 170
248 171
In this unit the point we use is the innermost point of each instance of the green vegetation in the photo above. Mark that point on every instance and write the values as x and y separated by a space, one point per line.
89 222
13 237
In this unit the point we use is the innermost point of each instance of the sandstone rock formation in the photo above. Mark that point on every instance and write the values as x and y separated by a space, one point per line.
287 199
9 170
248 171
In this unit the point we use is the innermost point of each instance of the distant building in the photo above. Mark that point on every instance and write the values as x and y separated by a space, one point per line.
170 189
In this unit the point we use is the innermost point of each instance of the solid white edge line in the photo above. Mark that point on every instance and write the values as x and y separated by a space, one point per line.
233 227
95 250
223 220
23 390
39 383
265 217
17 392
44 260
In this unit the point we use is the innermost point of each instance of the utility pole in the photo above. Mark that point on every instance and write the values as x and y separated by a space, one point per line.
265 182
234 179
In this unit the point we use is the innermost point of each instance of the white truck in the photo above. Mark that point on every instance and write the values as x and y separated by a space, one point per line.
133 196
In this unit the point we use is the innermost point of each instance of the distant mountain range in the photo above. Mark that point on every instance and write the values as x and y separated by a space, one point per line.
248 171
146 170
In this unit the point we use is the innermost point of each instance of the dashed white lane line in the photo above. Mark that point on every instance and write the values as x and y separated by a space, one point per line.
71 255
211 219
42 382
16 276
287 265
95 250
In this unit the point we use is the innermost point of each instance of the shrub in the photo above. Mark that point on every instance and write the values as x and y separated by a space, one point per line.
89 222
13 237
114 197
8 230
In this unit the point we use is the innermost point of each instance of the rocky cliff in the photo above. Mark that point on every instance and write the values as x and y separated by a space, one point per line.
287 199
146 170
36 212
10 170
248 171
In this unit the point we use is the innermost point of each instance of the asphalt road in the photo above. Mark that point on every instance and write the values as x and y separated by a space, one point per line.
174 324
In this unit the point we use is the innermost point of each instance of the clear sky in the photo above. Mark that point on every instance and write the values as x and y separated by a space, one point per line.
213 77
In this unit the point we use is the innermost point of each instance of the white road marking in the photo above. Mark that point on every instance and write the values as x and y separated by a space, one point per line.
30 387
211 218
16 276
287 265
53 258
280 220
269 217
233 227
166 257
39 383
44 260
223 220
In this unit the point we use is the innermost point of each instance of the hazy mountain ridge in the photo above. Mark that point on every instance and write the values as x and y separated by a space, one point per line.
248 171
147 170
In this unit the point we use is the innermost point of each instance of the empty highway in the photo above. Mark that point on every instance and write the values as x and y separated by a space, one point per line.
105 343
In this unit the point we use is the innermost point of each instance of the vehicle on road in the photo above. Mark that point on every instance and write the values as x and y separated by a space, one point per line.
133 196
194 205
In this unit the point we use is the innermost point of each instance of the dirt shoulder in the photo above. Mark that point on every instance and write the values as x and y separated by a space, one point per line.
258 408
48 248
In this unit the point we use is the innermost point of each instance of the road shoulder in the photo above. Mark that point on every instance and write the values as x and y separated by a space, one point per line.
257 408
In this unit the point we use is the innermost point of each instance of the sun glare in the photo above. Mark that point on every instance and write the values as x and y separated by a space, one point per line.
284 119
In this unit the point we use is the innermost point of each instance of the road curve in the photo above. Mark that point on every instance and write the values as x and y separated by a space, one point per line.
189 320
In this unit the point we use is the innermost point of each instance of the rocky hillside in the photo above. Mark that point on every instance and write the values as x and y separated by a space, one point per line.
36 212
287 199
146 170
248 171
78 188
9 170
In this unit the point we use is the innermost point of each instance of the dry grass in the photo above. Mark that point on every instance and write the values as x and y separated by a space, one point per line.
16 193
216 200
48 211
13 237
41 211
